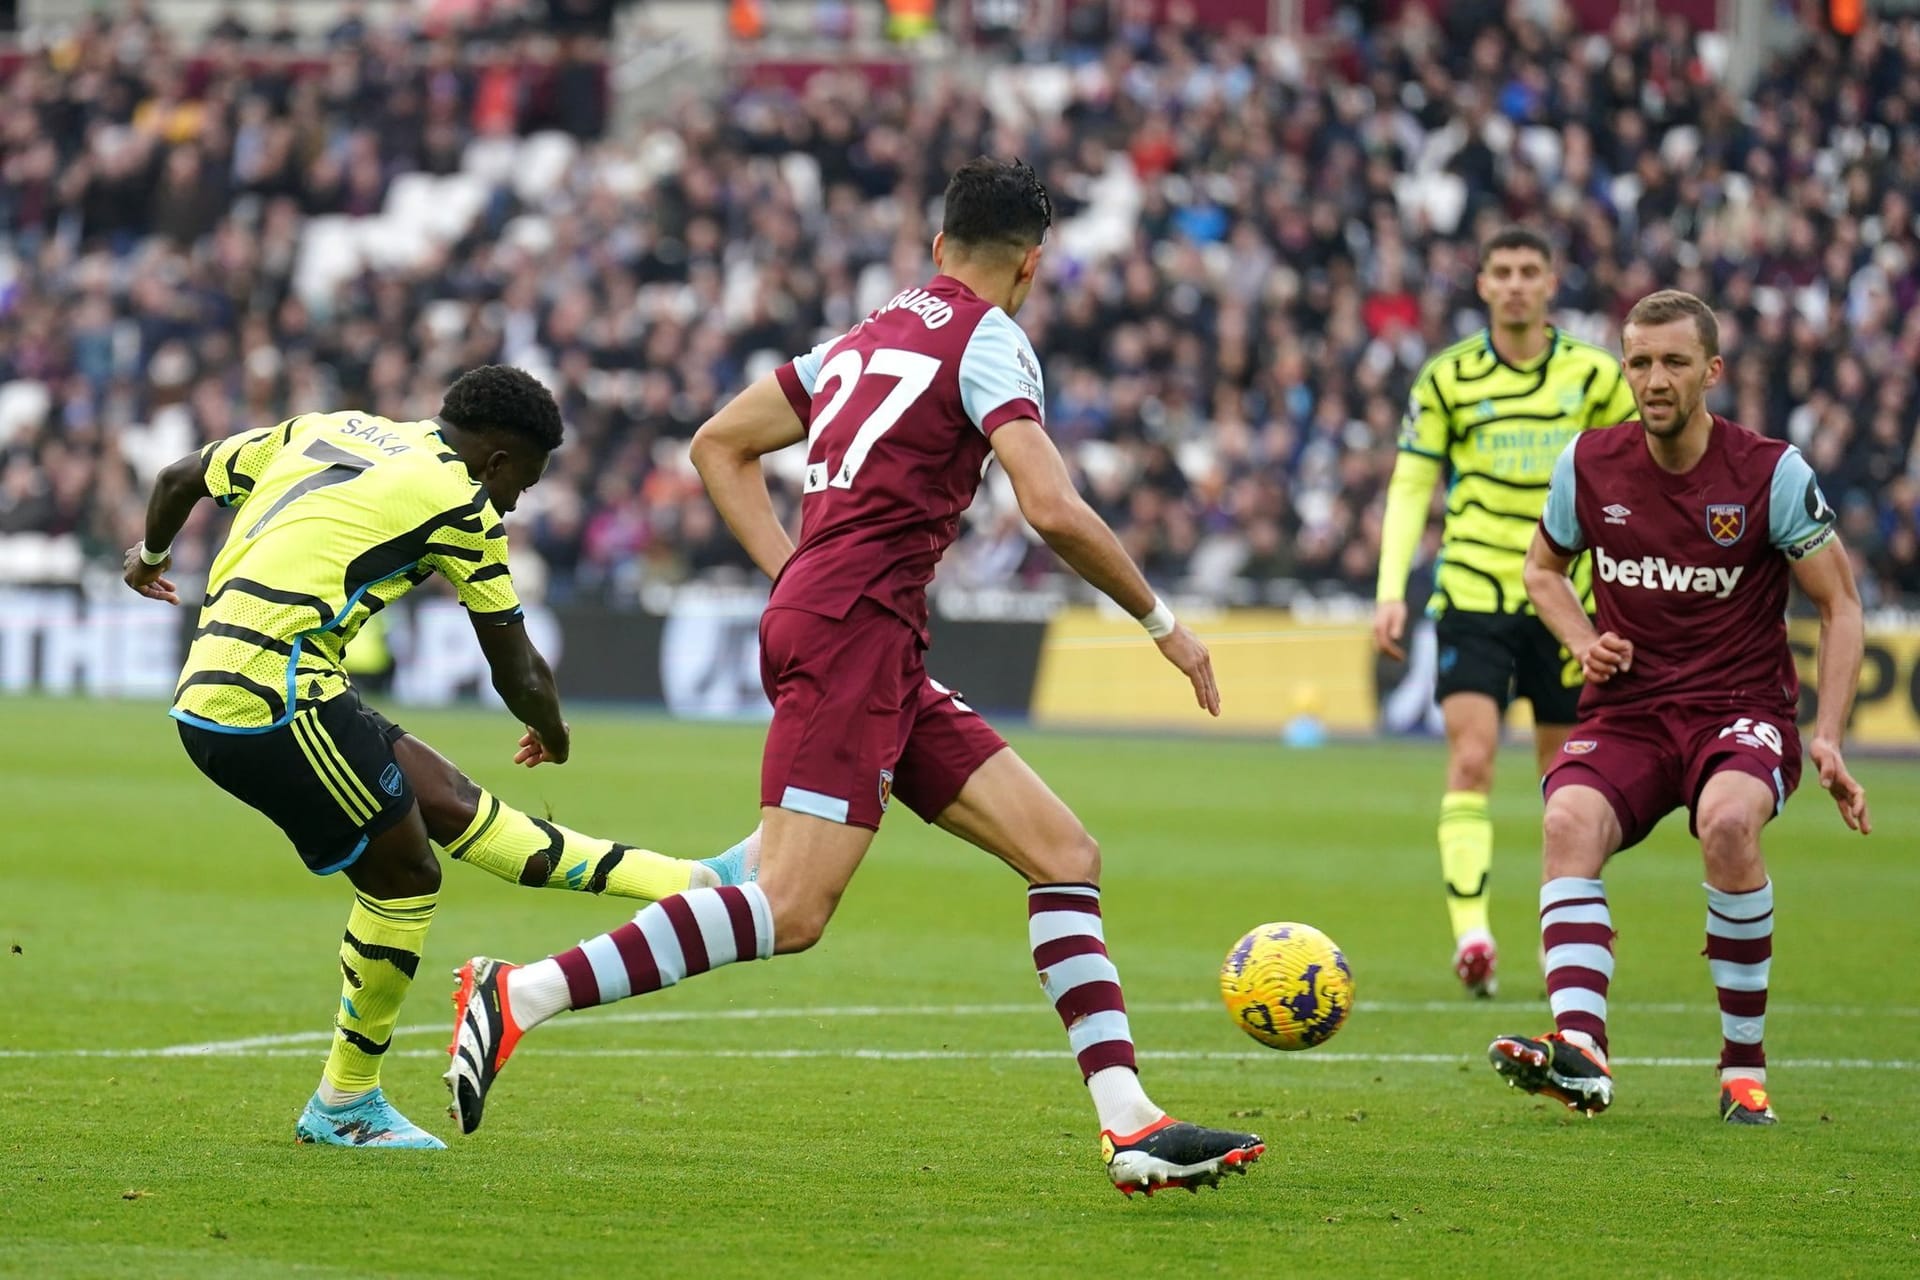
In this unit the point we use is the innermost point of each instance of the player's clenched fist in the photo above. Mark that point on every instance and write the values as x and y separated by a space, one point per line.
1184 650
1607 655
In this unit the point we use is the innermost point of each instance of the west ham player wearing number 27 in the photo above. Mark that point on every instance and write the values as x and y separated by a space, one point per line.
1695 525
900 416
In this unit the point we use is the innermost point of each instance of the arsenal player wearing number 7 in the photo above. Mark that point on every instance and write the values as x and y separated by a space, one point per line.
900 417
1695 525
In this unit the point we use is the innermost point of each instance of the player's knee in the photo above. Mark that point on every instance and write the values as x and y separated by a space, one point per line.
399 871
449 810
418 871
1571 846
1470 768
799 920
1729 832
425 875
1075 859
798 931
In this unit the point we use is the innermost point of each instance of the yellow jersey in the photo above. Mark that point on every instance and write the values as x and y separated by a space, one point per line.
1495 429
337 516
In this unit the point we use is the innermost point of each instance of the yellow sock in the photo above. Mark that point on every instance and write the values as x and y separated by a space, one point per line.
378 958
1466 859
521 850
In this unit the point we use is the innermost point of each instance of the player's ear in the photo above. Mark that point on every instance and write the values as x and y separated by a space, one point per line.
939 251
1715 367
1029 265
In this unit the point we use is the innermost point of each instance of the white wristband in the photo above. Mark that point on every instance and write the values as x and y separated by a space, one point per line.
154 557
1159 620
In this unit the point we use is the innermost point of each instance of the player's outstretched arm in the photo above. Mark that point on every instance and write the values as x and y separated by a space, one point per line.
1408 495
525 683
1558 604
1080 537
727 451
180 484
1826 577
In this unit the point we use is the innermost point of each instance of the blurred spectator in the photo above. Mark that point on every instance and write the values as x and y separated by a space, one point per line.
1258 249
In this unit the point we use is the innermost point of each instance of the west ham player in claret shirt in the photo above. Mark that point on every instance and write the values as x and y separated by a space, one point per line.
900 417
1695 525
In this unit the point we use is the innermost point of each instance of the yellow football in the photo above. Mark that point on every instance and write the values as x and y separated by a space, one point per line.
1287 986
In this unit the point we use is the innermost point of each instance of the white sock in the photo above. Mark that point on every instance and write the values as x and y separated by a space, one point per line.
1585 1041
1729 1074
337 1098
536 992
1122 1104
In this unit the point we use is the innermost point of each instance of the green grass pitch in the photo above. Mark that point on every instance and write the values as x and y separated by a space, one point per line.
899 1100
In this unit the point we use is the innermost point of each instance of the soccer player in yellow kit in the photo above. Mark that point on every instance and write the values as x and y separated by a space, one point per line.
338 515
1491 413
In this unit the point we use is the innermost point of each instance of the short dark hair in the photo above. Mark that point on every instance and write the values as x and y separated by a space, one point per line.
499 397
996 203
1516 238
1669 305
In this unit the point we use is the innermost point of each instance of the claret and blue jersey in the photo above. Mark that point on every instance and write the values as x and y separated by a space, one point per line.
1691 568
899 411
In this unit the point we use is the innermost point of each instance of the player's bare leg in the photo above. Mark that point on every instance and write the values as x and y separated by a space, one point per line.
1579 833
475 828
1466 835
1732 809
1547 741
1006 809
806 863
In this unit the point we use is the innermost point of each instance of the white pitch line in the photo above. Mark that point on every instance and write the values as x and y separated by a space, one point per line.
826 1013
244 1046
1061 1056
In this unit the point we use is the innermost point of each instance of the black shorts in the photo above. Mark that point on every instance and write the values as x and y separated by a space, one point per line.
1507 656
327 777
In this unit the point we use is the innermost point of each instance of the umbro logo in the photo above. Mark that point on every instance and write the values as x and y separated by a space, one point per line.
1616 514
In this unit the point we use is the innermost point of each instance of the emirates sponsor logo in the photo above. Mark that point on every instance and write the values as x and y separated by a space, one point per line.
1657 573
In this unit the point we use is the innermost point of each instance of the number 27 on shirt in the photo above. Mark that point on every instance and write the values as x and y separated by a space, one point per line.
912 373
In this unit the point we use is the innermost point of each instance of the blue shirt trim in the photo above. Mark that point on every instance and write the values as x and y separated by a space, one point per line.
1560 518
346 610
345 862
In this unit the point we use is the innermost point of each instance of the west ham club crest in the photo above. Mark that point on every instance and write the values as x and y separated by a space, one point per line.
1726 521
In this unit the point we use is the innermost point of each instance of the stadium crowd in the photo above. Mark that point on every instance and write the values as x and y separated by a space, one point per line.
1259 245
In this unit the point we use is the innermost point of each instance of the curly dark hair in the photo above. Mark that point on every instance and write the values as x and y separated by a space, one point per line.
997 203
499 397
